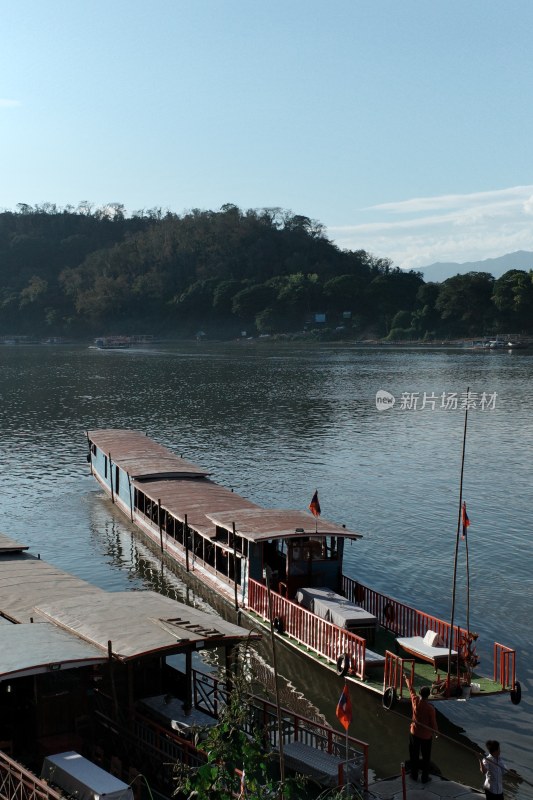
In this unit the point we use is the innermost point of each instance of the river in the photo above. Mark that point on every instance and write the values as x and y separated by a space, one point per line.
275 422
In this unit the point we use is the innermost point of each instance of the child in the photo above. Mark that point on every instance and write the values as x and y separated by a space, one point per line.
493 768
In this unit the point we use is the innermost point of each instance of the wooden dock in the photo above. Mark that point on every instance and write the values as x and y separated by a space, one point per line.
436 789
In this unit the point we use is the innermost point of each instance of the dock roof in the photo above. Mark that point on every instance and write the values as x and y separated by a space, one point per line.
8 545
139 623
33 649
141 457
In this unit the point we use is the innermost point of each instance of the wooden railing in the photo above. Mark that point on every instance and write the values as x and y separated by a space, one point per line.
316 634
18 782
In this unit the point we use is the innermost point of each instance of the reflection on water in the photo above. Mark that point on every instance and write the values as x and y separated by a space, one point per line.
274 424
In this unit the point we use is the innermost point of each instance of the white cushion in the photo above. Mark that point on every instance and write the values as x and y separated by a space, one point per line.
432 639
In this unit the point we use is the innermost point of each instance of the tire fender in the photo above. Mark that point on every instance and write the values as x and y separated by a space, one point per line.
343 665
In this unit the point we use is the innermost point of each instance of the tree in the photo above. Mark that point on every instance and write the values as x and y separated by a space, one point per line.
229 748
250 301
513 297
465 303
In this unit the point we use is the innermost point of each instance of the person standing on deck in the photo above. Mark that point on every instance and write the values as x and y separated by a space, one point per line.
493 768
423 723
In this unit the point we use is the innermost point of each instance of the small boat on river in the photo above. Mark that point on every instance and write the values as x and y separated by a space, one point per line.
283 569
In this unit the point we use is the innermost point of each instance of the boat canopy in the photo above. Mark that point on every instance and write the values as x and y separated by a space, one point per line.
35 649
260 525
141 623
142 458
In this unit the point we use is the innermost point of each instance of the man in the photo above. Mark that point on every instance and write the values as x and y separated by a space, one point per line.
493 768
423 723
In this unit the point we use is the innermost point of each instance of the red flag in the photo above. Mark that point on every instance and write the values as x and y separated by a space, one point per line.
314 505
464 517
344 708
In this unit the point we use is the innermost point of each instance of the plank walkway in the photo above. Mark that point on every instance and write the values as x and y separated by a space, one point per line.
437 789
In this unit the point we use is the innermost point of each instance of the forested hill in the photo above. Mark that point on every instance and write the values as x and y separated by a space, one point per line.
83 271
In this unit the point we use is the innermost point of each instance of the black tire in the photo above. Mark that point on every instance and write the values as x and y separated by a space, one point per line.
343 665
278 625
389 697
516 694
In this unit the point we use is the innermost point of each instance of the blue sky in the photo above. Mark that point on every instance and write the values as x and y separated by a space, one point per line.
404 127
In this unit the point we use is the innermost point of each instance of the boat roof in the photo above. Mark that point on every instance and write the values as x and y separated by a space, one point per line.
141 623
205 503
34 649
259 524
196 500
141 457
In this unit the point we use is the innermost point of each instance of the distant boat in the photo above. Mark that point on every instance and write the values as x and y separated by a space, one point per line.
113 342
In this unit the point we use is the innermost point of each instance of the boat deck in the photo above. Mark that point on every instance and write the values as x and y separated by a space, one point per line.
438 788
424 672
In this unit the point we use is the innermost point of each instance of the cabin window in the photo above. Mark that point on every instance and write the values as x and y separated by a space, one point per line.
105 466
93 448
117 480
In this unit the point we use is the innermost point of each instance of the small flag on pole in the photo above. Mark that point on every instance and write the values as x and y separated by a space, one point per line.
344 708
314 505
464 517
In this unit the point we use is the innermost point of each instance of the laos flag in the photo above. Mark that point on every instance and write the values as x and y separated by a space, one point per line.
344 708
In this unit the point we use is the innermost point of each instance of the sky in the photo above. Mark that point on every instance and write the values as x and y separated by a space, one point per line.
404 127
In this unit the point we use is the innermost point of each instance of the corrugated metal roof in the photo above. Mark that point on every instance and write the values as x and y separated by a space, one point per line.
260 524
138 623
141 457
33 649
8 545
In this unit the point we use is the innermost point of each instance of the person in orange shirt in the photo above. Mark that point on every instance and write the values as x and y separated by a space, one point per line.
423 724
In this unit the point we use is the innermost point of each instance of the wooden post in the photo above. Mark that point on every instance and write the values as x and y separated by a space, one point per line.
188 704
235 566
450 643
159 522
112 677
276 684
186 543
131 501
111 477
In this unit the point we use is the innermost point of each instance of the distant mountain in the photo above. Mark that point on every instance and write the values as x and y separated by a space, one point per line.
439 271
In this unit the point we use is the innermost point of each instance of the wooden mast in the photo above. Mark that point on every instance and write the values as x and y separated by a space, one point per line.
459 518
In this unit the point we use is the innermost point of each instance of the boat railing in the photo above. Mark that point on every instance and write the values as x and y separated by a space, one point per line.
18 782
504 666
324 638
399 618
295 728
396 668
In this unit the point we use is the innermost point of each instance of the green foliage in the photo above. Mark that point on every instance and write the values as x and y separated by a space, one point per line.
228 748
92 270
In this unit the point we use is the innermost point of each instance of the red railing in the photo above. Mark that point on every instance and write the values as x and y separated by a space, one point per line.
504 666
18 782
322 637
401 619
295 727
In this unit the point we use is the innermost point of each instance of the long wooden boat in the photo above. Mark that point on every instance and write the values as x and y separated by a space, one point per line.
283 569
